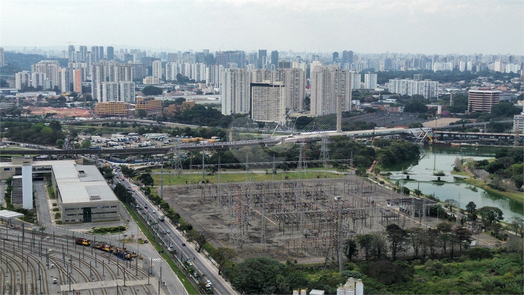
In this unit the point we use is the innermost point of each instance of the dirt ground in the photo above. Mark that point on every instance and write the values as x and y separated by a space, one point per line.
304 219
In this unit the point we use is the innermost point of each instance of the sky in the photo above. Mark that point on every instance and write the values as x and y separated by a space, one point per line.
364 26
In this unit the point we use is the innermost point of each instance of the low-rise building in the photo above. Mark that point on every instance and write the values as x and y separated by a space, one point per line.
113 108
83 194
482 100
518 123
152 106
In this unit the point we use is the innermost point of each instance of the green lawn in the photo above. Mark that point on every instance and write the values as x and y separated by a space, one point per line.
512 195
187 284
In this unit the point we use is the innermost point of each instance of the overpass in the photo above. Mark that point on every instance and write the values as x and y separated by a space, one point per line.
478 137
102 121
141 151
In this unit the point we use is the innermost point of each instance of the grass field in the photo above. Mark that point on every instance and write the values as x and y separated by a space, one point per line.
517 196
238 176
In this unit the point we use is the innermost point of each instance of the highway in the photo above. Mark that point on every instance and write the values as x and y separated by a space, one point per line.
174 240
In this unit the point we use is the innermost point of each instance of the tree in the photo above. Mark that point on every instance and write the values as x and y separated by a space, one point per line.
490 215
461 236
60 142
417 236
397 239
146 179
415 107
141 113
518 225
151 90
257 276
471 211
86 144
350 249
222 256
444 229
365 242
179 100
505 109
415 125
197 237
128 172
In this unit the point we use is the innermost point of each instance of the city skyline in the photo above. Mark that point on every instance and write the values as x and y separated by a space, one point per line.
404 26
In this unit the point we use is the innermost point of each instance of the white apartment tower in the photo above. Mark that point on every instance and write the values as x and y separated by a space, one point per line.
112 72
329 83
235 91
157 69
370 81
295 86
50 68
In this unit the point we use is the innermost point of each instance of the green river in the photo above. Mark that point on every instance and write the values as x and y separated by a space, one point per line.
452 187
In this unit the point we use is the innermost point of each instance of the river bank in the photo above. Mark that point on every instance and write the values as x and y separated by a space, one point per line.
459 186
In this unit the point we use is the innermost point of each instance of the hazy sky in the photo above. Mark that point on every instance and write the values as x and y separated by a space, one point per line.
367 26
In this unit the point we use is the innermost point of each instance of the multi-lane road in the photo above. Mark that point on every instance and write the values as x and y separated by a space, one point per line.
174 240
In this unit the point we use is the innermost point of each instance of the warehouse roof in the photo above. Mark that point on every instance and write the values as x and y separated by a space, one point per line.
81 183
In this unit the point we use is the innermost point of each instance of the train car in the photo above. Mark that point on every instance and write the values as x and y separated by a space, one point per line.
83 242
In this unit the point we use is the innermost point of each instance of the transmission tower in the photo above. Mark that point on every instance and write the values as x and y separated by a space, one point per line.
177 164
334 252
324 152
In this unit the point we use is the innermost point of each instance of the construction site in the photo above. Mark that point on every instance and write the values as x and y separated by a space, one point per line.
307 220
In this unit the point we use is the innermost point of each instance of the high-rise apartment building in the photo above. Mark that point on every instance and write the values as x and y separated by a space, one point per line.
157 69
71 53
96 54
110 53
126 91
328 84
213 74
335 57
50 68
268 102
22 78
231 59
77 81
83 53
274 59
2 57
262 58
110 71
235 91
370 81
109 91
482 100
101 55
426 88
347 59
294 81
356 80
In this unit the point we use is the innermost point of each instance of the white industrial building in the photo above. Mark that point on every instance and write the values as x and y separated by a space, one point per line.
83 194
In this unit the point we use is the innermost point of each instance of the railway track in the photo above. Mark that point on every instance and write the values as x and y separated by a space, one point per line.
34 252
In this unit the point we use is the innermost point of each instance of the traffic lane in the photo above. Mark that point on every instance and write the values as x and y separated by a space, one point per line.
189 252
199 262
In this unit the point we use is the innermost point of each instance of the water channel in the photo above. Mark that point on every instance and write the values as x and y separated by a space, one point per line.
451 186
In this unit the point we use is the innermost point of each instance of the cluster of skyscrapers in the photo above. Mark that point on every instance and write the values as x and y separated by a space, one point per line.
268 85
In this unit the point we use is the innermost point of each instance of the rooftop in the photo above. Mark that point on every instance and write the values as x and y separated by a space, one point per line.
81 183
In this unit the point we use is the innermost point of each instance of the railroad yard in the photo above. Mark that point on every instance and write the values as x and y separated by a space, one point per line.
34 262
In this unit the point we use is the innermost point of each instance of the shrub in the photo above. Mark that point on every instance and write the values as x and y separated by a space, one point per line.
479 253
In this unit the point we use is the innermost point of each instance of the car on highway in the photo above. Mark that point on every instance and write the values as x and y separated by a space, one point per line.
183 244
